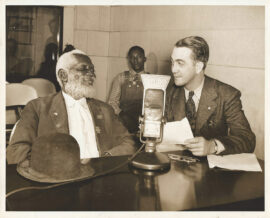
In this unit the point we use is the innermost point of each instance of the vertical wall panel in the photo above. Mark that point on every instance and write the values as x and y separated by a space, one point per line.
80 39
98 43
101 66
68 28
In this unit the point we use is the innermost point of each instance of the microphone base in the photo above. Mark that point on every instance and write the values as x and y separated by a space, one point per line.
151 161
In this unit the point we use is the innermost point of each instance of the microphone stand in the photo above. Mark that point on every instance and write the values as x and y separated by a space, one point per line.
150 159
151 123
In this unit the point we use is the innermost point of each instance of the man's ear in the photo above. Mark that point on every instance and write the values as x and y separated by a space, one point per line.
199 67
62 74
145 59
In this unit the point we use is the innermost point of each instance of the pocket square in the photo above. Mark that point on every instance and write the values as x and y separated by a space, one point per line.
98 130
100 116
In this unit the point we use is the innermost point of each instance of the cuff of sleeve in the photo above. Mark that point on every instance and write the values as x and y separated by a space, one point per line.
117 111
107 154
17 154
220 146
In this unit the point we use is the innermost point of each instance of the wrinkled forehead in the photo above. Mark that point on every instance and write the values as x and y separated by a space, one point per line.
80 59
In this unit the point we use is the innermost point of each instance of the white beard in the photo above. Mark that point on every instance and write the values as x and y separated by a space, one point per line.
78 91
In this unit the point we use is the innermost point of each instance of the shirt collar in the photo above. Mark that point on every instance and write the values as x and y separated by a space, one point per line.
197 91
70 102
133 72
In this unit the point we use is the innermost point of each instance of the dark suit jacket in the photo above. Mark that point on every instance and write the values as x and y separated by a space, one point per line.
219 115
49 115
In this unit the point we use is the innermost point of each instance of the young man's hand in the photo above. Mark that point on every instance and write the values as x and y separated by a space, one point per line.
199 146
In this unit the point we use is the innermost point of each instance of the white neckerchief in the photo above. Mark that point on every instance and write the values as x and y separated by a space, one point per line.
81 126
197 94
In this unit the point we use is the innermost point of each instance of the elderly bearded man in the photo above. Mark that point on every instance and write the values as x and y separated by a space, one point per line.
73 110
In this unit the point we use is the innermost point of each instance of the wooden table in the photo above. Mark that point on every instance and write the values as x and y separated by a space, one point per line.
183 187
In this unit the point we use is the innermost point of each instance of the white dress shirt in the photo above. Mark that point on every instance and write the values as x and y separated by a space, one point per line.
196 98
81 126
197 94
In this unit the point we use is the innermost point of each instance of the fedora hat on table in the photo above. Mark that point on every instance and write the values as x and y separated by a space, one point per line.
55 158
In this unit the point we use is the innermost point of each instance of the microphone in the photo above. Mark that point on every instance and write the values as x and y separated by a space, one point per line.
151 123
152 111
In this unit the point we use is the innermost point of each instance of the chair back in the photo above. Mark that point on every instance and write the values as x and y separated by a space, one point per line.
43 87
19 94
10 132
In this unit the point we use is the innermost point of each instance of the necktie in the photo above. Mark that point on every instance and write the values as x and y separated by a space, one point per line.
191 111
84 131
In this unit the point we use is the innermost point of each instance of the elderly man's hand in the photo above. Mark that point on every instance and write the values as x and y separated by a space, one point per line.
85 160
25 163
199 146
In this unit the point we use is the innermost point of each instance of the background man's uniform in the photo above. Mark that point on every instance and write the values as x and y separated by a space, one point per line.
49 114
219 115
126 98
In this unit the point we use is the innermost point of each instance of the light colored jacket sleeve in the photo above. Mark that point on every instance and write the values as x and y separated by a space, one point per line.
115 94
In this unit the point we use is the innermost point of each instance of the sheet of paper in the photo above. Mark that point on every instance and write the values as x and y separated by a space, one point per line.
174 135
244 161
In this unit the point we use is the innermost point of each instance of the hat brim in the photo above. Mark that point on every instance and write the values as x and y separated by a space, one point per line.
29 173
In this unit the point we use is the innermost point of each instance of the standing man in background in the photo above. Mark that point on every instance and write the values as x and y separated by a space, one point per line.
127 90
213 108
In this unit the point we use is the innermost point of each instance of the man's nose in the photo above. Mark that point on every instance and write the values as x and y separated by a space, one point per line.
91 73
174 68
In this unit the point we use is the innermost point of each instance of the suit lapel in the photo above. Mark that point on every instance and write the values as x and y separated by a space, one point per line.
207 104
58 113
178 104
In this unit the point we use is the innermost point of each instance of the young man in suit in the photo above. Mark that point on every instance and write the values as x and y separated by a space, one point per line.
213 108
73 111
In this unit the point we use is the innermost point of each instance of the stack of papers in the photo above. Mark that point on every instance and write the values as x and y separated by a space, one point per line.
244 161
174 135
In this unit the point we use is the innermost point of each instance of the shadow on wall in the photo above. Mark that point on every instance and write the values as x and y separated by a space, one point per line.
151 63
154 66
165 68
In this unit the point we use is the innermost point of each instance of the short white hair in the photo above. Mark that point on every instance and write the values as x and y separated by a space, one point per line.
65 62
